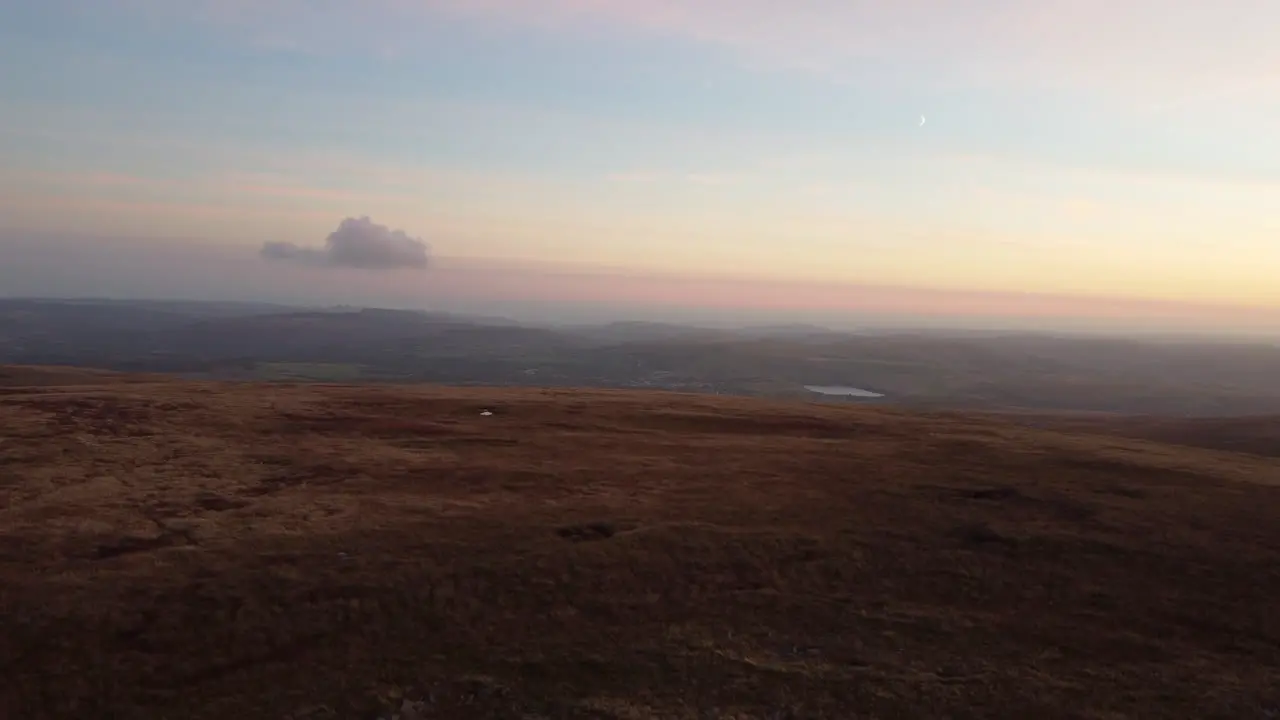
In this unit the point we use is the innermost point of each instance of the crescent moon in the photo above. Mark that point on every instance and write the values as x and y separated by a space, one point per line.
921 121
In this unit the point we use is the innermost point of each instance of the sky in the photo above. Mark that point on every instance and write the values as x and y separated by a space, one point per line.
959 161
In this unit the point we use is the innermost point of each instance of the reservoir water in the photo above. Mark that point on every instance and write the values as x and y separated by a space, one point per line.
843 390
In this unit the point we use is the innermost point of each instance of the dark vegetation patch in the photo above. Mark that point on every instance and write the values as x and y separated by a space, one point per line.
131 544
996 493
219 503
587 532
981 534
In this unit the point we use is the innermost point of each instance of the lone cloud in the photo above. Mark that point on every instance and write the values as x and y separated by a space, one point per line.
357 243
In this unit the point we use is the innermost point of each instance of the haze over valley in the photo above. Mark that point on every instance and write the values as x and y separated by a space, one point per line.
908 368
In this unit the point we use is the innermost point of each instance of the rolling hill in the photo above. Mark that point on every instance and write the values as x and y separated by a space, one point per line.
213 550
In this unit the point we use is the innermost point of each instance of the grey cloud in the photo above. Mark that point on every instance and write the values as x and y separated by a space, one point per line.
357 243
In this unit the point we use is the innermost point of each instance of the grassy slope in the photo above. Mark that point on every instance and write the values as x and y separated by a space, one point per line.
202 550
1256 435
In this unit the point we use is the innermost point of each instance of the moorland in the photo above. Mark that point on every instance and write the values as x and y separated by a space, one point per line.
200 549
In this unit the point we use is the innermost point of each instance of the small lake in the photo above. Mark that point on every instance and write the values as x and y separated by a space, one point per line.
843 390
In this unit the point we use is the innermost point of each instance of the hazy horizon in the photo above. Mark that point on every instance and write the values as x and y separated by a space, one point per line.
122 269
1081 167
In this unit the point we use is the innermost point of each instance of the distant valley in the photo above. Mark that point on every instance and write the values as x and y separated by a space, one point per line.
915 369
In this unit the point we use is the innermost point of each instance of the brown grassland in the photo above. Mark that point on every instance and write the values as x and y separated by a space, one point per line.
199 550
1255 435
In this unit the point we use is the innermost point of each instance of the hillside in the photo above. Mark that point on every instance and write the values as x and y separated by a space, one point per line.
1256 435
237 550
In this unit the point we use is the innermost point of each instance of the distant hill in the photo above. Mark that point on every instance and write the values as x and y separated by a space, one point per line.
17 376
791 330
909 369
634 331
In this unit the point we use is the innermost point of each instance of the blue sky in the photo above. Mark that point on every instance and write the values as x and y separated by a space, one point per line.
1089 149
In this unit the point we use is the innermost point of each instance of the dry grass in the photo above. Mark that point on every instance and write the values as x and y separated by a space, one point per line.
1256 435
201 550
